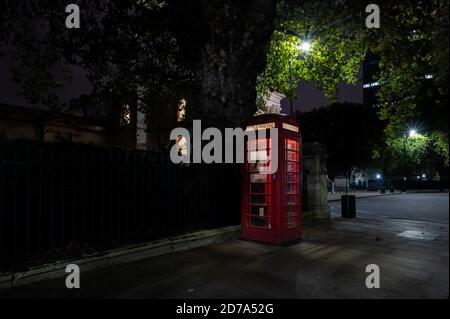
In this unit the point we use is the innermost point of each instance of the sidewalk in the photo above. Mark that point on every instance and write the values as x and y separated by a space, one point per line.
329 262
359 194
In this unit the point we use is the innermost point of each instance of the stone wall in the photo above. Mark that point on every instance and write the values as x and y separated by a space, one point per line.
315 181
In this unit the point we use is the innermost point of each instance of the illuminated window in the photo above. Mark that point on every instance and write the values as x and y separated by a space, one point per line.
126 115
369 85
181 112
181 143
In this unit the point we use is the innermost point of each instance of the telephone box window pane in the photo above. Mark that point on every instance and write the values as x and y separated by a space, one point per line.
259 155
291 199
265 168
291 189
292 167
291 210
292 222
260 167
257 167
259 217
257 199
252 167
292 145
258 222
292 177
292 156
258 178
259 161
260 144
258 188
259 211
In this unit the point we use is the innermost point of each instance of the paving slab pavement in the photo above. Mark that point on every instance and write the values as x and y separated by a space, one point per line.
329 262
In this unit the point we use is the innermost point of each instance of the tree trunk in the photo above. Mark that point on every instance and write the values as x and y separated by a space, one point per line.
225 44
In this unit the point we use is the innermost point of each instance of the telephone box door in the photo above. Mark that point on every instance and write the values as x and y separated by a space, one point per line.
259 200
292 189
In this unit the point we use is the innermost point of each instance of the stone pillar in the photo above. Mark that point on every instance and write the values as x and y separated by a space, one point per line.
315 181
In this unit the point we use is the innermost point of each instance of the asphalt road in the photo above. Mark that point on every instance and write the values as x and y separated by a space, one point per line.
431 207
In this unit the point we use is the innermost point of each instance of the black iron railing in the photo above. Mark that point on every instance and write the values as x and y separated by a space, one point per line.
59 200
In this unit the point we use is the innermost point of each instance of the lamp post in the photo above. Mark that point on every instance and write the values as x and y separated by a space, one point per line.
303 47
404 163
291 102
411 133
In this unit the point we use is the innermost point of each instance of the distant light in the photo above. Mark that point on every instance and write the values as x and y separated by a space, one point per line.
428 76
369 85
305 46
413 133
418 177
424 176
378 176
126 115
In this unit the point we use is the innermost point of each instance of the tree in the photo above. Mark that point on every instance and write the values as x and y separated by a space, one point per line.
349 132
406 155
337 48
225 44
413 155
412 46
121 44
214 52
413 49
203 51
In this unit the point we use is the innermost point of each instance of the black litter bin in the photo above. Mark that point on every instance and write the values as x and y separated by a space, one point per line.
348 205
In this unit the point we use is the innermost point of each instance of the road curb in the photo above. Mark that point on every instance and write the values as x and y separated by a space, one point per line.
377 195
122 255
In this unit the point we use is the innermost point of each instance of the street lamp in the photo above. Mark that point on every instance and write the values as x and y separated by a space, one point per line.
303 47
413 133
410 133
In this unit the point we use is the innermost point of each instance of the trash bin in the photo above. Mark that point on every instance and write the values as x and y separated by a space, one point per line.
348 206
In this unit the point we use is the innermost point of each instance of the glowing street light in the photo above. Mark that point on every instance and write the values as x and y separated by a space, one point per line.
378 176
305 46
413 133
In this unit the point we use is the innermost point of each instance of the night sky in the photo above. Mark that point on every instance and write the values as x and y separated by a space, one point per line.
309 96
9 91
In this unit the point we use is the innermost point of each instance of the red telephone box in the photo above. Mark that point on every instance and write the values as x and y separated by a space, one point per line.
271 203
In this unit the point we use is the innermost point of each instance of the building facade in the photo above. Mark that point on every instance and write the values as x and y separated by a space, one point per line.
370 85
